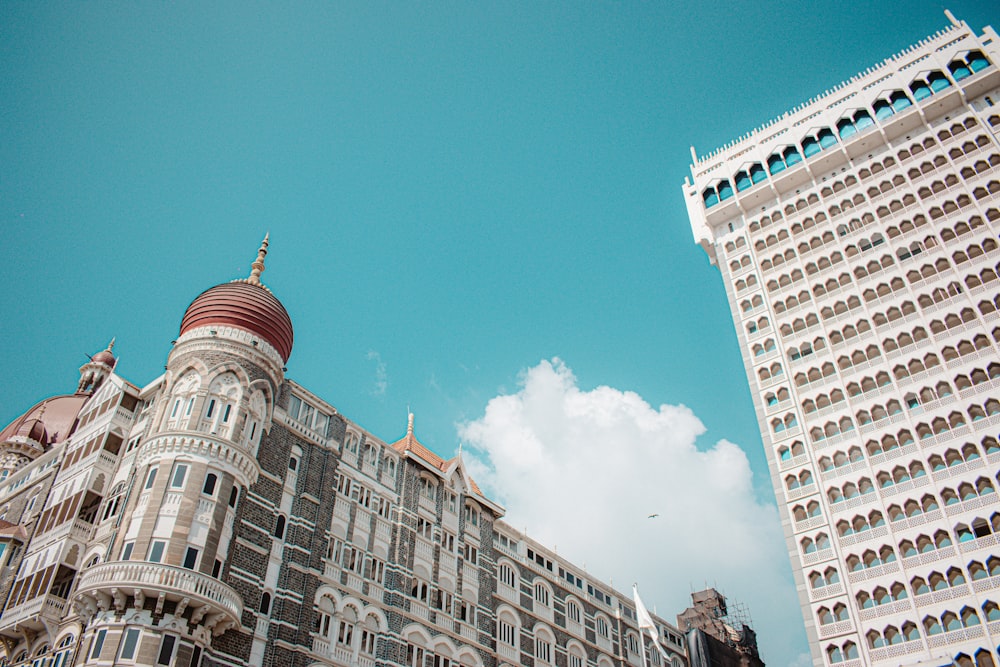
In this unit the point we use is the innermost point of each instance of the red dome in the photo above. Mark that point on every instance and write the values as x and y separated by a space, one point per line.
104 357
248 307
56 417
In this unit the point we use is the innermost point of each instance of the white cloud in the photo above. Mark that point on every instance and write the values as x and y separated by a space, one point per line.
582 470
381 374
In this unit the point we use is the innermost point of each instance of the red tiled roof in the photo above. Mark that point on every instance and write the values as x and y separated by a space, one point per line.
409 443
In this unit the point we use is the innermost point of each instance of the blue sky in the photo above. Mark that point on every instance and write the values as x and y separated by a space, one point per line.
456 192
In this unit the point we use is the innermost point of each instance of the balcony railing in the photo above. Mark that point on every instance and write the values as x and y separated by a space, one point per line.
176 582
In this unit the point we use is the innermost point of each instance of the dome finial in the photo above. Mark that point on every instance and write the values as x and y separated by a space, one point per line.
257 267
111 345
409 424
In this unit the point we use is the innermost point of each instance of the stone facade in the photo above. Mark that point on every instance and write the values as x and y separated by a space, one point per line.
224 515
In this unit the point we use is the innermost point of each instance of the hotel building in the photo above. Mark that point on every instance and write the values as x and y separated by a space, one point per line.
857 238
223 514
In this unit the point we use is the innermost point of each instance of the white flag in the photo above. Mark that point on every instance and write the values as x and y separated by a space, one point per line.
646 623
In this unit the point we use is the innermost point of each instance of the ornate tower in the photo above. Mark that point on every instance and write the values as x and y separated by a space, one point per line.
159 598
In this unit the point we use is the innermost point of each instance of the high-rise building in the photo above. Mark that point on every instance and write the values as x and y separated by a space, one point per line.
223 514
857 237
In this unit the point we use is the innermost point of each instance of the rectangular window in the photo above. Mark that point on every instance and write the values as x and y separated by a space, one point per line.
156 551
166 650
177 405
217 568
345 633
293 407
368 642
130 641
225 413
127 550
95 651
305 414
211 408
190 404
190 558
180 474
196 657
320 422
150 478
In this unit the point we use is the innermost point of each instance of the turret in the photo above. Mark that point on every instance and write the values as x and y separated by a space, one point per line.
192 468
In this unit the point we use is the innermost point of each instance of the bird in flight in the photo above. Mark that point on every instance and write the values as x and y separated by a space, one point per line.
652 516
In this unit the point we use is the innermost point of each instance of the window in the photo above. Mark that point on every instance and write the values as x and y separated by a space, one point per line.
234 495
293 464
265 604
190 558
541 594
506 632
150 478
127 550
95 651
467 612
167 646
602 627
180 474
471 515
507 575
279 527
375 570
543 649
130 641
210 481
345 633
414 656
573 611
156 548
367 642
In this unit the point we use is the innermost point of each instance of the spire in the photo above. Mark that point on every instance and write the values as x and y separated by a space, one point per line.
257 267
111 345
409 426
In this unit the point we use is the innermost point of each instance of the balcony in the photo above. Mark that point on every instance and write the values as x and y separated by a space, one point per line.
33 613
211 599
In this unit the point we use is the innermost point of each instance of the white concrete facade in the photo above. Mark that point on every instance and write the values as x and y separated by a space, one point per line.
857 237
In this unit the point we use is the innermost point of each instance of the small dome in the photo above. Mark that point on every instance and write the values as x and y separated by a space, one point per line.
106 357
33 429
244 306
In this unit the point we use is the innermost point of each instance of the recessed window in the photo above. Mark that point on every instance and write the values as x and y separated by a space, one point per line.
225 413
167 646
293 464
130 642
95 651
233 496
210 481
265 604
190 558
156 549
127 550
180 474
211 408
150 478
279 527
